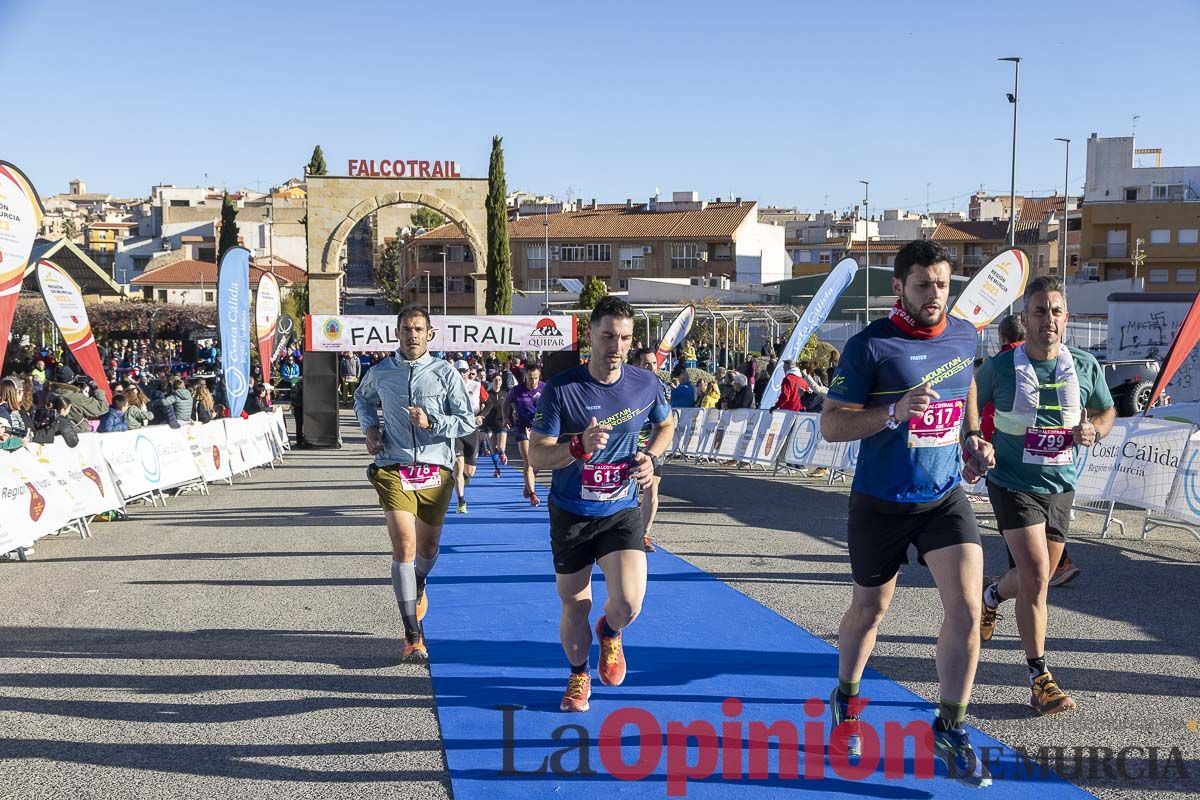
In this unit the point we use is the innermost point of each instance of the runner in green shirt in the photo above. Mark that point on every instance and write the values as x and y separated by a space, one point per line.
1050 400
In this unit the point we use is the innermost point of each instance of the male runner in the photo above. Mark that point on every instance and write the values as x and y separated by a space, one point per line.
586 431
901 387
425 408
466 448
519 409
647 358
1050 399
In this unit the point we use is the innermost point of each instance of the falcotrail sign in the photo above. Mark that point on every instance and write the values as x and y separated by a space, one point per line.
340 333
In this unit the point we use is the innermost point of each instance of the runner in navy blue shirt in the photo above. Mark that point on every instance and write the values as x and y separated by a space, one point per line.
901 388
586 431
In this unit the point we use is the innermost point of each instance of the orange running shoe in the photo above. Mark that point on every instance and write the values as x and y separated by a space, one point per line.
422 604
415 652
579 690
1046 697
612 657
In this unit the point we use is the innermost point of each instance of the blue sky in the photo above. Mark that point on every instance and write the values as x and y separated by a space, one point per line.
790 103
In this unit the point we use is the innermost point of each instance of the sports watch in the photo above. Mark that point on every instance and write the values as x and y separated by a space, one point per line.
892 423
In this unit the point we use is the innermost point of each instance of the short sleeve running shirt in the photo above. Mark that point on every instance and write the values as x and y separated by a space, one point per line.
996 382
524 402
603 485
912 464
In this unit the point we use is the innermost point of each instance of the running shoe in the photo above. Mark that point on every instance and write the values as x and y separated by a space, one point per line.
839 713
415 652
612 657
1047 698
462 506
422 604
988 619
953 747
504 459
496 474
646 543
579 690
1064 573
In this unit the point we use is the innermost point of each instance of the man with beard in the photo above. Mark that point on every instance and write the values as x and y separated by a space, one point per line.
586 430
425 408
901 388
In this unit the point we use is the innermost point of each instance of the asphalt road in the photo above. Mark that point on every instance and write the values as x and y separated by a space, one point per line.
247 643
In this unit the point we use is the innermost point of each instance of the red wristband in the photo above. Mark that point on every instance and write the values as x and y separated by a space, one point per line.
577 450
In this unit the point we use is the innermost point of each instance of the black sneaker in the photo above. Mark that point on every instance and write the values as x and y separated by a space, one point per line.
953 747
839 712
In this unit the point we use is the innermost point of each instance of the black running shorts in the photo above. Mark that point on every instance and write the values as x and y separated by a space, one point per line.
1016 509
880 532
578 542
468 447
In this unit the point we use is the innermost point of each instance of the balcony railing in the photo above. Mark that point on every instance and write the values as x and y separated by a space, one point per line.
1110 250
972 260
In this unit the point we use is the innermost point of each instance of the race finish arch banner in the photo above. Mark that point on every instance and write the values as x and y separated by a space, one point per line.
822 303
233 316
20 218
65 301
335 334
994 288
266 317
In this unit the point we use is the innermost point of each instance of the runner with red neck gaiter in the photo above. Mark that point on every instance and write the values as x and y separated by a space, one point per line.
901 388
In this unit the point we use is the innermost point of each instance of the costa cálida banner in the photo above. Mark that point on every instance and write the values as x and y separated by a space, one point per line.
994 288
20 218
676 333
816 313
327 333
233 319
266 317
65 301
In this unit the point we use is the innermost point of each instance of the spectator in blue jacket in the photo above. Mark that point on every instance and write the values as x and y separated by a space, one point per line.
684 394
114 420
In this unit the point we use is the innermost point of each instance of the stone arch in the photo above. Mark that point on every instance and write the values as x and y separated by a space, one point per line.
337 203
333 245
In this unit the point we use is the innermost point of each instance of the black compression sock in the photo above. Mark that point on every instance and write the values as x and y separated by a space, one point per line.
580 669
1037 666
607 631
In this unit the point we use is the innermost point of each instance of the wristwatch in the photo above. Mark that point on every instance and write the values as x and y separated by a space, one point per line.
892 423
655 460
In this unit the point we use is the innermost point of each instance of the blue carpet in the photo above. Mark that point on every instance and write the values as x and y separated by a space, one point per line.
493 637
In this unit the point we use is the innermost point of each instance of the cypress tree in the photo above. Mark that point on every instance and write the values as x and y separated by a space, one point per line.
499 266
316 164
229 228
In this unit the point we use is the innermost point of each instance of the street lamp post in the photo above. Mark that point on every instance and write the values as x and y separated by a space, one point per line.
444 249
428 299
867 237
1012 194
546 244
1062 226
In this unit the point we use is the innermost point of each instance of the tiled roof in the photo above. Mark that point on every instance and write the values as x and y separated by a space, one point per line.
880 246
1035 209
607 222
112 225
970 232
194 273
